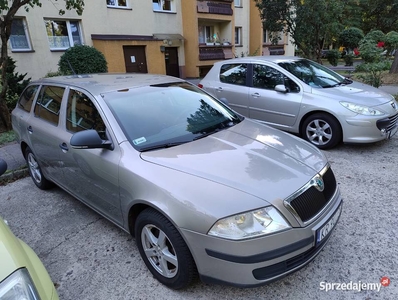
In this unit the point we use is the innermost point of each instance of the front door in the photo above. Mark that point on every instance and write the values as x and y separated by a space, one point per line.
135 59
171 60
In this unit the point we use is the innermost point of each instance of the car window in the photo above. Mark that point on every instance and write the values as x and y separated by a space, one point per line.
27 97
81 114
233 74
266 77
167 114
48 103
312 73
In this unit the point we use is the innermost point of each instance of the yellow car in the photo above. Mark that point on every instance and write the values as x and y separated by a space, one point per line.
22 274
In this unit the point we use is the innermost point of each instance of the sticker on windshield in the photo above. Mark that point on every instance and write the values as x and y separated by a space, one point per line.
139 141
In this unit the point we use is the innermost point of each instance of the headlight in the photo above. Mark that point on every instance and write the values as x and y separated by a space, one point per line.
362 110
18 286
250 224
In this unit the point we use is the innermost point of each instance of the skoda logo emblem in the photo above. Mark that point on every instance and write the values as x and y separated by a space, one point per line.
320 186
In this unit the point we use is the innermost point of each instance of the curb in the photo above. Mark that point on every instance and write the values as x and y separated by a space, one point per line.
14 175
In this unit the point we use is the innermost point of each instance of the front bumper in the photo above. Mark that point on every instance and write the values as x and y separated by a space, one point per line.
258 261
364 129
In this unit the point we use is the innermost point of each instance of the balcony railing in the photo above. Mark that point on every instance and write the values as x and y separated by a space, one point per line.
214 7
220 52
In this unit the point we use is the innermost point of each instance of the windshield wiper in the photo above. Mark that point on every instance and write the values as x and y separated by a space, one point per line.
343 82
162 146
224 125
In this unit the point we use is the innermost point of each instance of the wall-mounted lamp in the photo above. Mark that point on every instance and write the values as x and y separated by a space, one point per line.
162 48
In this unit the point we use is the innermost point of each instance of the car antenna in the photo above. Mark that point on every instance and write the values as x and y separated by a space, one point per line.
70 66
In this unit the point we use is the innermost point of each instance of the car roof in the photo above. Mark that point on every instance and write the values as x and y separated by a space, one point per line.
109 82
269 58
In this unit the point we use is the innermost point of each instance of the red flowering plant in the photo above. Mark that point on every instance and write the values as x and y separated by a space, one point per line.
380 45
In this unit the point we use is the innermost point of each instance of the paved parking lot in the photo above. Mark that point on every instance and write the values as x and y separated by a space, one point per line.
90 258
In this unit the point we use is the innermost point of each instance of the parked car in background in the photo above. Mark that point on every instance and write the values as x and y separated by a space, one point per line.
203 190
300 96
22 274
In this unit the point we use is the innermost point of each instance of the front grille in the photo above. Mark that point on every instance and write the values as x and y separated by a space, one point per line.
311 201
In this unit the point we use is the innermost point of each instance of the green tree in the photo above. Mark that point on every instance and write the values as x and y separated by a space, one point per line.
311 23
8 9
380 14
351 37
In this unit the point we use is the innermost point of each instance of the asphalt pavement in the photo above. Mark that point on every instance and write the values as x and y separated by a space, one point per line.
89 258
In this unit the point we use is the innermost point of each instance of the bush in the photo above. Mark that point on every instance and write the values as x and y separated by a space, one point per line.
370 53
82 59
349 59
16 84
333 57
373 72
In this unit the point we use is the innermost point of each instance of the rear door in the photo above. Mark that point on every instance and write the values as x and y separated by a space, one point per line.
232 85
271 106
43 130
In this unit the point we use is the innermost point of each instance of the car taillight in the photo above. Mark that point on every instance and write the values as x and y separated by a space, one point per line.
200 85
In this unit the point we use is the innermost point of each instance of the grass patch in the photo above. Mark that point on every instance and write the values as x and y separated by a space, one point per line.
7 137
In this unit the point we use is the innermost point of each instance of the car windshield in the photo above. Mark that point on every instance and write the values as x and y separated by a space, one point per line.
166 115
314 74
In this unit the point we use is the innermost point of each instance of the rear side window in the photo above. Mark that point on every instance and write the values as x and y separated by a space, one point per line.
27 97
233 74
48 103
81 114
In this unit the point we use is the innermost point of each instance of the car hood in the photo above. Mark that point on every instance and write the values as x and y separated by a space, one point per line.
250 157
356 92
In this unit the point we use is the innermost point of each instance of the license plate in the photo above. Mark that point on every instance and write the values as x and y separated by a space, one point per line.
327 228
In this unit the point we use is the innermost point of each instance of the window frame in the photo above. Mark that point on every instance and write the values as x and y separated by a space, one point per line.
69 31
161 4
238 3
116 5
27 37
238 36
267 41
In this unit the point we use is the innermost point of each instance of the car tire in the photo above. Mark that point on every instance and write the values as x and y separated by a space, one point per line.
321 130
168 257
35 171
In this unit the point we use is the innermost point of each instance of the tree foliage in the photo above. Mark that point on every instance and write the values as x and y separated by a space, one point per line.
311 23
351 37
82 59
8 9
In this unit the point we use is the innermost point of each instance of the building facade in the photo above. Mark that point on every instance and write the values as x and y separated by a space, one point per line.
181 38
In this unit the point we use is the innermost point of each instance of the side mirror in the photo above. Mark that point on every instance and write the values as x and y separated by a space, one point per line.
224 100
89 139
3 166
282 88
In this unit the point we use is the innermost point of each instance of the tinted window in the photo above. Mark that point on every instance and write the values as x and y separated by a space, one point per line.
81 114
26 100
266 77
234 74
48 103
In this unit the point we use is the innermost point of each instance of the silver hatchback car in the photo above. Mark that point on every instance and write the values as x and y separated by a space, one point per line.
203 190
303 97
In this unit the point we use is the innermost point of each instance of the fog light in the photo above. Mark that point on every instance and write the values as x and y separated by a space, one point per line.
383 132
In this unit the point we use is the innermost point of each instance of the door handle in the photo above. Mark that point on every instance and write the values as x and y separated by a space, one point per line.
256 95
30 129
219 89
64 147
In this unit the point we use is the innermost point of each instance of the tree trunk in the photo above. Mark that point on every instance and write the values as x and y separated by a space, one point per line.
394 67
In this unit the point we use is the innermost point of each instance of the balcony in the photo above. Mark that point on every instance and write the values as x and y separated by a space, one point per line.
215 7
216 52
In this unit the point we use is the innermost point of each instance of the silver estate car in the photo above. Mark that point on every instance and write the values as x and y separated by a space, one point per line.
300 96
203 190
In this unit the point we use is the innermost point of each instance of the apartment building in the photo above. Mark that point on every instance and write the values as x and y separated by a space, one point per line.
181 38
